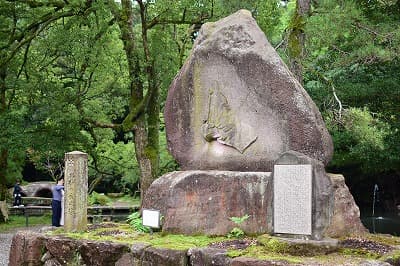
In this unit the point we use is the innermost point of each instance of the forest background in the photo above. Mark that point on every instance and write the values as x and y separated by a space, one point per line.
93 76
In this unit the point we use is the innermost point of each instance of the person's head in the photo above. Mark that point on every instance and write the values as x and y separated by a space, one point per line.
18 181
60 180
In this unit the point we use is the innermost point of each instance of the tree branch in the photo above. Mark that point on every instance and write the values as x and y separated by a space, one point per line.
330 83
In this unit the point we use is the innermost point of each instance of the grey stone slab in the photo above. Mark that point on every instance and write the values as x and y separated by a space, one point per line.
292 199
76 191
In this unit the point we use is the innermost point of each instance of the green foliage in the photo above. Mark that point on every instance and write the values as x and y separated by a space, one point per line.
237 232
74 71
273 244
359 139
239 220
117 160
135 220
98 199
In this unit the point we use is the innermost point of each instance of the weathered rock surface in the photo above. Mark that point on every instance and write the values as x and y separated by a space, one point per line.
208 256
164 257
193 202
201 202
52 262
62 248
254 262
235 105
32 250
26 249
346 215
110 252
322 191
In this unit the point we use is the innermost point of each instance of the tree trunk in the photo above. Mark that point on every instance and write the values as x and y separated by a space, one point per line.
3 151
152 110
143 117
296 39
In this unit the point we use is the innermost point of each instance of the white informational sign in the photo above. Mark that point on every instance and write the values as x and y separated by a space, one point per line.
293 199
151 218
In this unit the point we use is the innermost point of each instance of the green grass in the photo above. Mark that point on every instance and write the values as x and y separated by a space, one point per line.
100 199
16 221
125 234
127 199
263 253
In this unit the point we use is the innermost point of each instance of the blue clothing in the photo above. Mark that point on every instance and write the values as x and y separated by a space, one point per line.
57 192
56 217
56 205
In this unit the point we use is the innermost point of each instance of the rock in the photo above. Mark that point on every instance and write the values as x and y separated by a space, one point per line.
374 263
127 259
346 216
26 249
164 257
110 252
235 105
208 256
322 191
254 262
201 202
62 248
136 254
298 247
46 256
52 262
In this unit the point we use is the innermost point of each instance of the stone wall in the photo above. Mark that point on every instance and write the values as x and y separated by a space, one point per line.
36 249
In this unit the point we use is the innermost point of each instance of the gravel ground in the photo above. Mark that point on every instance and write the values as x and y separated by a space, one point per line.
5 242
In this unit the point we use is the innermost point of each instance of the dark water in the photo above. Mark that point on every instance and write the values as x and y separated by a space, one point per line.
388 224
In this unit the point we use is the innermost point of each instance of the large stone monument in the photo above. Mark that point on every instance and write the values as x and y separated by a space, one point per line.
235 105
233 115
76 191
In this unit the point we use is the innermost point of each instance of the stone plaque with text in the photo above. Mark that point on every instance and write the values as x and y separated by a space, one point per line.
76 191
292 199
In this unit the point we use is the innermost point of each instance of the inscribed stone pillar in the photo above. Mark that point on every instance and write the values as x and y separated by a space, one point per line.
76 190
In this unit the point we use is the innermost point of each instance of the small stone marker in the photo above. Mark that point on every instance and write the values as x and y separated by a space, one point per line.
76 190
292 199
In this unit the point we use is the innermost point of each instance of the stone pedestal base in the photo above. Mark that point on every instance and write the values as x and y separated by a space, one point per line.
201 202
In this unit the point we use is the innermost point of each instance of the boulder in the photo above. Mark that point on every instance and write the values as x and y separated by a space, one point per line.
346 216
235 106
208 256
62 248
110 252
127 259
202 202
26 249
135 256
164 257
